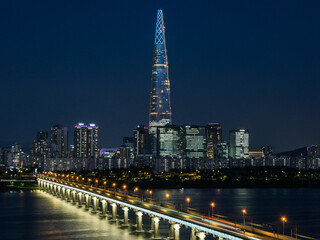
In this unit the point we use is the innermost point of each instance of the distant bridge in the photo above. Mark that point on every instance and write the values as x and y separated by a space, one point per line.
200 227
19 180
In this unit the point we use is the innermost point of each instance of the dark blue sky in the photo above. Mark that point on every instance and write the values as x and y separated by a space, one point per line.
245 64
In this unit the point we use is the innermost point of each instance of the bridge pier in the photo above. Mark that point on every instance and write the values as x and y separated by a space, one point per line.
104 204
63 193
55 190
80 199
58 191
139 221
171 230
193 234
88 201
125 217
176 232
68 195
201 235
95 205
114 212
156 221
74 197
152 224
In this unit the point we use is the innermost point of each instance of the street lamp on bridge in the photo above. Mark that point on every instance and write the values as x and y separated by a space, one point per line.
188 201
284 220
212 206
244 212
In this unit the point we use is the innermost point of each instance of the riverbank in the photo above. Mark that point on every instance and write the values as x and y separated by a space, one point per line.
18 186
218 184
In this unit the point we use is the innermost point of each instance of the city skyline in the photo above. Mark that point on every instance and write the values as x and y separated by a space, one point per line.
271 109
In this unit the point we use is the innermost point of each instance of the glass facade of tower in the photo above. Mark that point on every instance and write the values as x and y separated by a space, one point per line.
213 136
160 108
239 144
168 141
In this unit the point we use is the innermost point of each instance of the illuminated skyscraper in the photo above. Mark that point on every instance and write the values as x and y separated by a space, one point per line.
80 141
92 141
86 141
160 107
59 141
239 144
213 137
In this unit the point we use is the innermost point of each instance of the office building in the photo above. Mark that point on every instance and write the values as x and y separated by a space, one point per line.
168 141
213 137
239 144
193 141
141 141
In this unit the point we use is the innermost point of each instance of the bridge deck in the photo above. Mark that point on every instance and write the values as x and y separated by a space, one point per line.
192 219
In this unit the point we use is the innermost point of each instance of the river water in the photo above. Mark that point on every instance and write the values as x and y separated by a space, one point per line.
38 215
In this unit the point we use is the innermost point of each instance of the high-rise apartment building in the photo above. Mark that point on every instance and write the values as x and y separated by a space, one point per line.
39 148
239 144
80 141
160 107
213 137
59 141
86 141
92 141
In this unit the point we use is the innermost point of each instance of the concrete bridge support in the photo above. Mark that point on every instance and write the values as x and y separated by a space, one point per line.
63 193
58 192
80 201
125 217
74 197
55 190
68 195
156 221
95 205
193 234
88 201
139 221
171 230
201 235
176 232
152 224
104 210
114 212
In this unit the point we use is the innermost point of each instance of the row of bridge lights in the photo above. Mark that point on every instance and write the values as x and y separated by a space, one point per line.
167 195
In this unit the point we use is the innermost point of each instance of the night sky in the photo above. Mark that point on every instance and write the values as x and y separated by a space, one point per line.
245 64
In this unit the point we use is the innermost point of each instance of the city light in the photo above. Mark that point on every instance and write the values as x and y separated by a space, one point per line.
244 212
212 204
284 220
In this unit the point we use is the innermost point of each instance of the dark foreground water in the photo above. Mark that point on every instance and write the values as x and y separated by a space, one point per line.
38 215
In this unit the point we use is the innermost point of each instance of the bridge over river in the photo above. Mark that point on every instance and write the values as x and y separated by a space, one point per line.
107 203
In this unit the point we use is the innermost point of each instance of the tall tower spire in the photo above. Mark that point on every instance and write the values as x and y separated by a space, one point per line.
160 106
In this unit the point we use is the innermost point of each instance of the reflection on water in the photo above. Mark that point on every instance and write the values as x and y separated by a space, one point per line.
38 215
264 206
